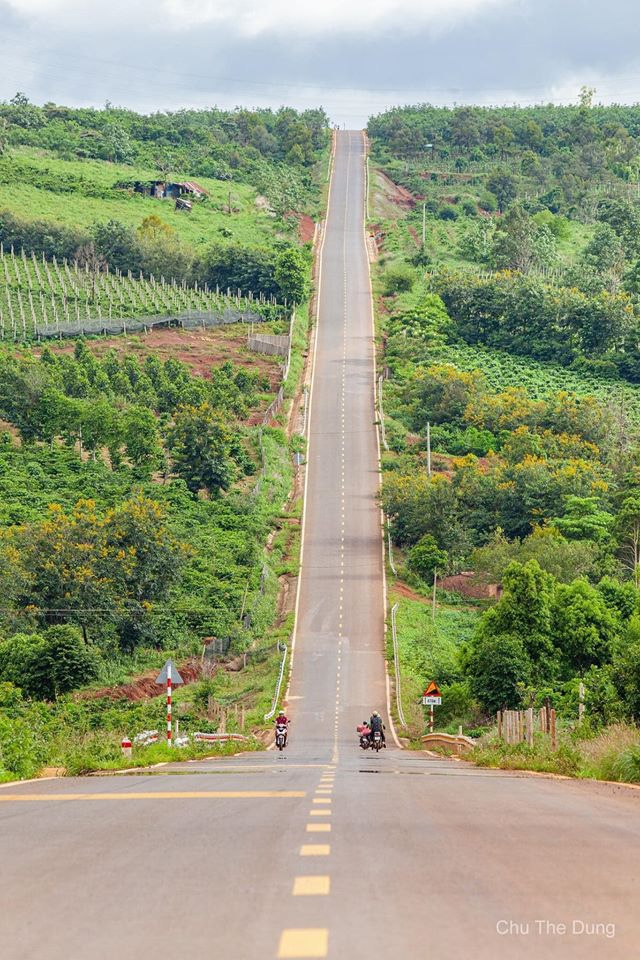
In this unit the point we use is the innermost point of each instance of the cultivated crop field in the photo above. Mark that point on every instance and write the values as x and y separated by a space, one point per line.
37 296
540 380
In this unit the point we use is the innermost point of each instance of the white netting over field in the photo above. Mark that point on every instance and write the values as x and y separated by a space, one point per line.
41 299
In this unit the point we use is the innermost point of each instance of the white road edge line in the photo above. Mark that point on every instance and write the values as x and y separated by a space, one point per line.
375 372
294 636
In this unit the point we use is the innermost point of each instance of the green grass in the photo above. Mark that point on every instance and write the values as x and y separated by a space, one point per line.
612 754
428 650
35 186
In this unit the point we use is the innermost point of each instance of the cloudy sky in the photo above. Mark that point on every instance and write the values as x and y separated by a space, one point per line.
354 57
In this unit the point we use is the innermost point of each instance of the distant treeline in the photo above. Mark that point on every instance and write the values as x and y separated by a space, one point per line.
211 143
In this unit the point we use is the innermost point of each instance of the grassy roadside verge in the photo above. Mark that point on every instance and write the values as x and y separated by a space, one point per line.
613 754
428 650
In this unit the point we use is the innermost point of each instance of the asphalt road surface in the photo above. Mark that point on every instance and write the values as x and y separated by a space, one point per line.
324 851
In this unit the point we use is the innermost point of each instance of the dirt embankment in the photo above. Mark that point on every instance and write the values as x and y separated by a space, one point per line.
144 687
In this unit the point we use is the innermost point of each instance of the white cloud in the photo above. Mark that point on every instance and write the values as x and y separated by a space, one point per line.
256 17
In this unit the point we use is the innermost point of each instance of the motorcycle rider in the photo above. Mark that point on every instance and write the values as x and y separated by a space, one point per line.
283 720
377 726
364 730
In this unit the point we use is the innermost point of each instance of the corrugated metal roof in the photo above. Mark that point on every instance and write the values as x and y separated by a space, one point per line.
193 186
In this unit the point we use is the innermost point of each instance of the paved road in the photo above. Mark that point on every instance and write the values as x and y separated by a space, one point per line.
324 851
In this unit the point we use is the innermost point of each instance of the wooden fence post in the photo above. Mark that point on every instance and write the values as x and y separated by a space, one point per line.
528 718
520 726
499 722
554 739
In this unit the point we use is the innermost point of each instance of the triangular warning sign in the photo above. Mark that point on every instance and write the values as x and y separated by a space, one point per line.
433 690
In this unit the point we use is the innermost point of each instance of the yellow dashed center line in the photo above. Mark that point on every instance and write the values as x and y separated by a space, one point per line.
311 886
310 942
315 850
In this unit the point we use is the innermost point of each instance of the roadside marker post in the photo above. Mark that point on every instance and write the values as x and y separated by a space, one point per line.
127 749
431 698
169 675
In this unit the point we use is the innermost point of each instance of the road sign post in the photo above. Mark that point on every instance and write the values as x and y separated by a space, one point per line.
431 698
169 675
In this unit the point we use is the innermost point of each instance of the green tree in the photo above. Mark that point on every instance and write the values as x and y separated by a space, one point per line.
498 670
141 439
291 275
525 611
626 667
504 187
200 444
583 628
49 664
426 557
584 519
118 245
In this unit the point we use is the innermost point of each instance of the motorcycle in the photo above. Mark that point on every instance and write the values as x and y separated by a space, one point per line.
281 736
376 741
365 736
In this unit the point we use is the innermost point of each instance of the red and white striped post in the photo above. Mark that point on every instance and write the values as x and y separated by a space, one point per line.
430 718
169 723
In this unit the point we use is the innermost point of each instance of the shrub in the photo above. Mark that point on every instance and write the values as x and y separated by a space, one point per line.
48 664
398 279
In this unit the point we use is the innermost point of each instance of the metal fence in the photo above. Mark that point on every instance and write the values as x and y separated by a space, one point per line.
111 326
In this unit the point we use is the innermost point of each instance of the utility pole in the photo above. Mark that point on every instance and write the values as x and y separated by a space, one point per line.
433 602
424 223
428 449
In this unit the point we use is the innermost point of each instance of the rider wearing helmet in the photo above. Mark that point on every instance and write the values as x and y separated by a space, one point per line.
283 720
377 726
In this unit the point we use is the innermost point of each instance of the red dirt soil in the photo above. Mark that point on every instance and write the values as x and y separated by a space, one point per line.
199 349
306 228
143 688
396 193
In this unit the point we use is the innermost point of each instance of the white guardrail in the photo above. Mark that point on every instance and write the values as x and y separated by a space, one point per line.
383 434
391 562
276 697
396 660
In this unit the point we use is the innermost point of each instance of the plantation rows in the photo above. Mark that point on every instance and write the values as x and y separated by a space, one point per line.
540 380
36 294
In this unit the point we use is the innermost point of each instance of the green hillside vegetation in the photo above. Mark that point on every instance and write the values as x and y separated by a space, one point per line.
132 522
79 193
511 338
77 185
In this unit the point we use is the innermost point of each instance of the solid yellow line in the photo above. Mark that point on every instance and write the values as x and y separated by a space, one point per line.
311 942
315 850
318 828
184 795
311 886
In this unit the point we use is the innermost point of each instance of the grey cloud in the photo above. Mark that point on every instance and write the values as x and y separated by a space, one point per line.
499 54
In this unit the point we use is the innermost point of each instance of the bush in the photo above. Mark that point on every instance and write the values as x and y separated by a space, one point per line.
398 279
48 664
